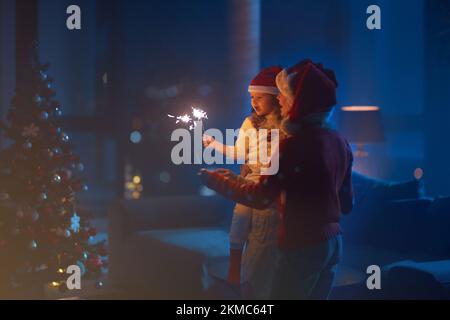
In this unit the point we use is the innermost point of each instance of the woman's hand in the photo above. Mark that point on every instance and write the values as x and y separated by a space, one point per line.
227 173
207 140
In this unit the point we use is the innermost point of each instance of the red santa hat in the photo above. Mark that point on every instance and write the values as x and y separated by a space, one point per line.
264 82
310 88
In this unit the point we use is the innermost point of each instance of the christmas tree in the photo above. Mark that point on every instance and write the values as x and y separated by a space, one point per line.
42 231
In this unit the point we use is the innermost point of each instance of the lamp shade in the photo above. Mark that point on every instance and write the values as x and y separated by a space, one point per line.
361 124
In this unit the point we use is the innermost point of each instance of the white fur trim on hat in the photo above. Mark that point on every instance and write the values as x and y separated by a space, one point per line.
285 85
264 89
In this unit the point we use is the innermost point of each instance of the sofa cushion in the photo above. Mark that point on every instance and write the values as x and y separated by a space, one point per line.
437 229
367 189
394 225
399 225
372 198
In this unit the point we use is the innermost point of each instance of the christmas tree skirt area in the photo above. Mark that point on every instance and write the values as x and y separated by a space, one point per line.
90 290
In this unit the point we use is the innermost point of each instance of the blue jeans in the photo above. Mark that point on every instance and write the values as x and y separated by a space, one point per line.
307 273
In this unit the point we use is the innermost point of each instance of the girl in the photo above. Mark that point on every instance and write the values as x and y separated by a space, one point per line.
253 232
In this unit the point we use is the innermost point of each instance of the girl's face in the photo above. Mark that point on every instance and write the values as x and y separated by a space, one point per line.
285 105
263 103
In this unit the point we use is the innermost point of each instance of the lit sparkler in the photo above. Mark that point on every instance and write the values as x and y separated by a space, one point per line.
197 117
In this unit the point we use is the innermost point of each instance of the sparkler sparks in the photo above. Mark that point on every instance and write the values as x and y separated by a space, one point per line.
197 116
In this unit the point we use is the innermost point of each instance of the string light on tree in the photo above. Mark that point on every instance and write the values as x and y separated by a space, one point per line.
133 183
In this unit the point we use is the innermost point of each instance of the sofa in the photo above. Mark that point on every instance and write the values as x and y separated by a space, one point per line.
172 247
161 248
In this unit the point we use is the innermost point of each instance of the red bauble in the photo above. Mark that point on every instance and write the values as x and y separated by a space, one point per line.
52 239
96 262
73 157
48 210
77 186
65 175
85 235
102 251
78 249
30 231
30 186
40 171
92 232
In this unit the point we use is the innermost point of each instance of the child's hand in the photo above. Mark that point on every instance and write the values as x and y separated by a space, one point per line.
207 140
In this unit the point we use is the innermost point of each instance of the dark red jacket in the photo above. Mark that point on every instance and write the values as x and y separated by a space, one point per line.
315 173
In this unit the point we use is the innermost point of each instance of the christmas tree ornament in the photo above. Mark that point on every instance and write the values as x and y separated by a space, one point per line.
92 232
80 167
56 178
59 231
19 214
41 267
43 75
40 171
85 188
102 251
27 145
84 255
32 245
96 261
57 112
43 196
34 216
62 212
73 157
30 186
30 131
4 196
56 151
38 99
49 154
66 175
48 210
99 284
85 235
64 137
67 233
77 185
44 115
75 223
82 267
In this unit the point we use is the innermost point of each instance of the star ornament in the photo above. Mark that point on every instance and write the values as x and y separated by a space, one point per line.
75 223
30 131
